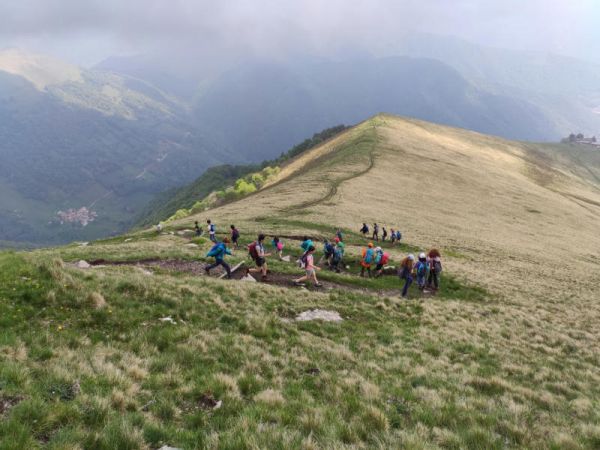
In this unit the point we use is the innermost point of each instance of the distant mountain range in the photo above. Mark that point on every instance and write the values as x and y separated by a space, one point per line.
72 139
82 151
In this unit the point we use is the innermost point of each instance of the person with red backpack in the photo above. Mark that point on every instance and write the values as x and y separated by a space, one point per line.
256 250
434 260
381 259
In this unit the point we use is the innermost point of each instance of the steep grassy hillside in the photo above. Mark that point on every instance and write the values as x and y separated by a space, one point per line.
505 356
218 178
72 138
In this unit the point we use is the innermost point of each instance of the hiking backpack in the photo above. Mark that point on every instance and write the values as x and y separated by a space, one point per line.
378 257
368 258
252 251
437 266
337 255
303 260
215 250
385 258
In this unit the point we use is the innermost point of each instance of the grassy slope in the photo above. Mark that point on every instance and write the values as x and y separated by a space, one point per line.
506 356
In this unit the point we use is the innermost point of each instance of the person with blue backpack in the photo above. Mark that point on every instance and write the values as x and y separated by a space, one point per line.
368 255
421 269
212 231
381 259
398 236
219 251
328 249
338 255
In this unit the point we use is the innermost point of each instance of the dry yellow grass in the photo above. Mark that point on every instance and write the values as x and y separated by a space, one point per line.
520 219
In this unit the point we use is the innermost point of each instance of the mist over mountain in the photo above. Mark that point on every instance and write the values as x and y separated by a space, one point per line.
109 138
94 145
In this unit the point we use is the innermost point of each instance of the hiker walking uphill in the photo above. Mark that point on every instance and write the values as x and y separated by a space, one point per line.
212 231
392 236
256 250
368 255
376 232
384 234
218 251
197 229
235 235
308 264
434 259
364 229
406 269
339 235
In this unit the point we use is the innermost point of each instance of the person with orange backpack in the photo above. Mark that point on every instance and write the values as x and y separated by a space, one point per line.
406 270
368 255
256 250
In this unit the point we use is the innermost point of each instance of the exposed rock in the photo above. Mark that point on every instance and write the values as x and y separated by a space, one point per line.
249 278
7 402
168 320
192 245
84 244
319 314
83 265
145 272
286 258
128 240
166 447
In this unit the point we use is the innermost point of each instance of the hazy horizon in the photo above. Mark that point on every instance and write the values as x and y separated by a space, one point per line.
87 32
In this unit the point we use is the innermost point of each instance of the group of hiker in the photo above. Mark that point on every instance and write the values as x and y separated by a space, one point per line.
426 269
394 235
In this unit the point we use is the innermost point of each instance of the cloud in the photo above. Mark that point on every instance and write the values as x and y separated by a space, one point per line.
270 27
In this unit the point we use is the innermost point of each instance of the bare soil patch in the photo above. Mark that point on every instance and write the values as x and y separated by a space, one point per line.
197 268
8 401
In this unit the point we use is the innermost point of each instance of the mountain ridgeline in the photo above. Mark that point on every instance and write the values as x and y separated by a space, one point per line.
220 177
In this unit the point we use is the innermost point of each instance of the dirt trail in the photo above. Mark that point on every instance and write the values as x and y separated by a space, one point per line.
274 278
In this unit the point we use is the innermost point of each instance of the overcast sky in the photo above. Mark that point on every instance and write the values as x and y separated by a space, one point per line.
87 31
